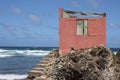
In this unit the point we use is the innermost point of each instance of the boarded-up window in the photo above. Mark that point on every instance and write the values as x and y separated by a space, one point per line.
82 27
79 27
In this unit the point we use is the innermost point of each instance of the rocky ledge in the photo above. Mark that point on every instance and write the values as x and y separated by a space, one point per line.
95 63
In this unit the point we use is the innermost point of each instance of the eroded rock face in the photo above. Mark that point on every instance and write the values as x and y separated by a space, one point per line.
117 65
96 63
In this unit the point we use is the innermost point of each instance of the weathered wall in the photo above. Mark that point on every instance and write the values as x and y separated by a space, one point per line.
68 37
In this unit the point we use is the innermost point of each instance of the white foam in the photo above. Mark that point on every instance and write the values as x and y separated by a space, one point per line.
5 55
36 52
12 76
115 53
2 50
10 53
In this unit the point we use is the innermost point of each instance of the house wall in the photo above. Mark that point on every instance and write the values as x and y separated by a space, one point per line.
68 37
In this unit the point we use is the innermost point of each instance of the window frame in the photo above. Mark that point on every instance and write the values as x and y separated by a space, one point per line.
84 30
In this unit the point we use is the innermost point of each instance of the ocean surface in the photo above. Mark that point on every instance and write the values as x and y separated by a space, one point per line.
16 62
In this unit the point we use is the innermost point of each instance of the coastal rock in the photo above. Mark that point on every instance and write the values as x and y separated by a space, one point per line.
95 63
118 57
117 65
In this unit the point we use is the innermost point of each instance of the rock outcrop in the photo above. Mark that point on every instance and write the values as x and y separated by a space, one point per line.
95 63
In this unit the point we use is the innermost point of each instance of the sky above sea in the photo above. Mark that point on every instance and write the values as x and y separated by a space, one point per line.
36 22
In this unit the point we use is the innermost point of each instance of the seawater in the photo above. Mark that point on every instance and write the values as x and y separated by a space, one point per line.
16 62
115 50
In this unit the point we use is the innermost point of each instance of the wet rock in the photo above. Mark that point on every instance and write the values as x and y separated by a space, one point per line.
95 63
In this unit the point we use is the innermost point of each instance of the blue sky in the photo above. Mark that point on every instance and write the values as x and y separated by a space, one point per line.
35 22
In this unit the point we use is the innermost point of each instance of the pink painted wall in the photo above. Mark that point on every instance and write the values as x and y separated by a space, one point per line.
68 37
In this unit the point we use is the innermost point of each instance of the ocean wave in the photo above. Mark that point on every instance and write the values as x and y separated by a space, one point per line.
115 53
12 76
5 55
2 50
11 53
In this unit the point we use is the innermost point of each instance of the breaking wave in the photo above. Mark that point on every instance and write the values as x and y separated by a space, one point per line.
10 53
115 53
12 76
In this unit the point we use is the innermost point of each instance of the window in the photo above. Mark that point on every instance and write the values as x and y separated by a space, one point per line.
82 27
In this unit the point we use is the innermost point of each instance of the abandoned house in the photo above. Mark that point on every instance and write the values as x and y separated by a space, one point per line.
80 30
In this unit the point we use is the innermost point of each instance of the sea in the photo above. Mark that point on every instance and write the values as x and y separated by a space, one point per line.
16 62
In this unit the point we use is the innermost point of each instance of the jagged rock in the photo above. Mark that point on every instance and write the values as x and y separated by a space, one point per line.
96 63
118 57
117 65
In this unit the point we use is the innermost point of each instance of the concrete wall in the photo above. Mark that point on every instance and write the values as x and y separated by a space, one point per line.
68 37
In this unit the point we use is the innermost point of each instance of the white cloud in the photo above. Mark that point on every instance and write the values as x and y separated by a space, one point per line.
34 18
94 3
16 10
75 4
114 25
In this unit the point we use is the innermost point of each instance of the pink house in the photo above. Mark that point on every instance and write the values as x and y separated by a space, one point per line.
80 30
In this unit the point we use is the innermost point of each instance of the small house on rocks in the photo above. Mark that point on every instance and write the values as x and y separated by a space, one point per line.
80 30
